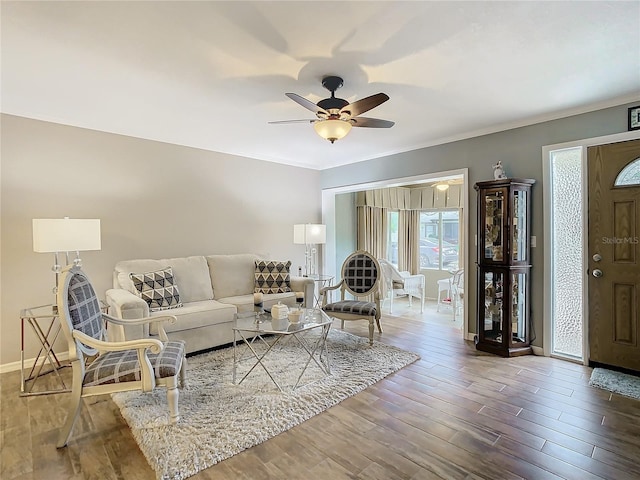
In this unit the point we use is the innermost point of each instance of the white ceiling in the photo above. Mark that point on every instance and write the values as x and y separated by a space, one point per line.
212 74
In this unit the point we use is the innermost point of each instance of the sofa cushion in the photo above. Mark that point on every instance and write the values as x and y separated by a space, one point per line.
272 276
191 274
157 288
196 315
232 275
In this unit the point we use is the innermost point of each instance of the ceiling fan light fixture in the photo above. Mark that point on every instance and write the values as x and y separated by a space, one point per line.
442 186
333 129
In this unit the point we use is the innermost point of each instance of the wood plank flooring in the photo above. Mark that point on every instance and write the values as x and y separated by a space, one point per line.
455 414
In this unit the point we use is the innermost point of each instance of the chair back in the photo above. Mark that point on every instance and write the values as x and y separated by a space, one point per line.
457 280
79 309
361 274
390 270
391 274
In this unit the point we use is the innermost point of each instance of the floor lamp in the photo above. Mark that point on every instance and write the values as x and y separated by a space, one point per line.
310 235
64 235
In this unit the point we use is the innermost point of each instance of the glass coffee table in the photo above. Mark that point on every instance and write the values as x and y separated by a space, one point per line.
258 339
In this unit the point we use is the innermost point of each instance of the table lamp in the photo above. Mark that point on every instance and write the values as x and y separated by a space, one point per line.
309 235
64 235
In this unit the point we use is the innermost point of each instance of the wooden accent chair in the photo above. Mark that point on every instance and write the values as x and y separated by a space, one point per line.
402 283
100 366
362 278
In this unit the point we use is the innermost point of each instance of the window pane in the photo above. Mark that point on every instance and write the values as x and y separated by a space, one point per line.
392 238
439 233
429 239
567 241
630 175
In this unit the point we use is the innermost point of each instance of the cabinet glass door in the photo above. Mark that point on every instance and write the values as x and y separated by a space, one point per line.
518 306
493 311
494 214
519 226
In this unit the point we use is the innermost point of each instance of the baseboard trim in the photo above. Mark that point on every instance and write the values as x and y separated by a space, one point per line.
28 363
536 350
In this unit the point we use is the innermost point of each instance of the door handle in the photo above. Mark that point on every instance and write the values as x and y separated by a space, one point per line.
597 273
597 257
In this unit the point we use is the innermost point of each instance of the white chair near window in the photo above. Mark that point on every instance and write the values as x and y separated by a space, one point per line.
399 283
451 291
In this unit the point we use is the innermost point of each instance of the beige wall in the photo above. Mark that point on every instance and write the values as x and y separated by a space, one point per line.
154 200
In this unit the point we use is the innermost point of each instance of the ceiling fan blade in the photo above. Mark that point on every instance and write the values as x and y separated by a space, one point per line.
308 104
294 121
364 105
371 122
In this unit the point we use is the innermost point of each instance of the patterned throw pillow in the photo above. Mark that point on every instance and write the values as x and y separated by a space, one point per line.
158 289
272 277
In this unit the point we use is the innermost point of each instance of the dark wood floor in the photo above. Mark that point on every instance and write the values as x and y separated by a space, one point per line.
454 414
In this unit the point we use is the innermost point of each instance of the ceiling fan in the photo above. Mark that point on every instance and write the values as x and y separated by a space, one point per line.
443 185
335 115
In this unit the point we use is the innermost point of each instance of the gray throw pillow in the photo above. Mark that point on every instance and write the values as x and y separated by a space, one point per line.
157 288
272 277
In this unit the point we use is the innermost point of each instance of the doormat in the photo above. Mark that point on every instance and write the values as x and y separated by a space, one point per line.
616 382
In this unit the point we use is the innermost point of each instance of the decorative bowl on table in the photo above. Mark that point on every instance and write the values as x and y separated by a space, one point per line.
295 316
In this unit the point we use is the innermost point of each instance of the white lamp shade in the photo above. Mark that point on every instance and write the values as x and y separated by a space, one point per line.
333 129
66 235
309 233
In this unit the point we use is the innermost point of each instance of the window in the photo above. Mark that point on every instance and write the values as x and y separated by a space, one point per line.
392 237
567 240
439 233
439 237
630 175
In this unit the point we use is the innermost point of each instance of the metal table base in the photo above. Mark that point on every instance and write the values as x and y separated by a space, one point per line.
261 340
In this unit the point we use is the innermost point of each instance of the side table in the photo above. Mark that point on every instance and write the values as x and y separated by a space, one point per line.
45 324
321 282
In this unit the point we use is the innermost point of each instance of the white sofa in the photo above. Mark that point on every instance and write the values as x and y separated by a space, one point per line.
212 289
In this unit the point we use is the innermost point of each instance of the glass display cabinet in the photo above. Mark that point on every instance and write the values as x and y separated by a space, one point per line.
504 264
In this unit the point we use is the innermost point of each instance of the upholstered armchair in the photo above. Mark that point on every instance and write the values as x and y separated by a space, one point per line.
399 283
361 278
100 366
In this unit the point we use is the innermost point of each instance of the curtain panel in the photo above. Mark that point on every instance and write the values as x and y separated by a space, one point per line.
409 241
372 231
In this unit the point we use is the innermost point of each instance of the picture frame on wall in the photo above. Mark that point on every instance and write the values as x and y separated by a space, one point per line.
634 118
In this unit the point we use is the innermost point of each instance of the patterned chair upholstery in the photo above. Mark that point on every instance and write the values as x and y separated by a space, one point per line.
361 277
100 366
402 283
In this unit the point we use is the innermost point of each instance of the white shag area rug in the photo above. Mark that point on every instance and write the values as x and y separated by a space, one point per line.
219 419
617 382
